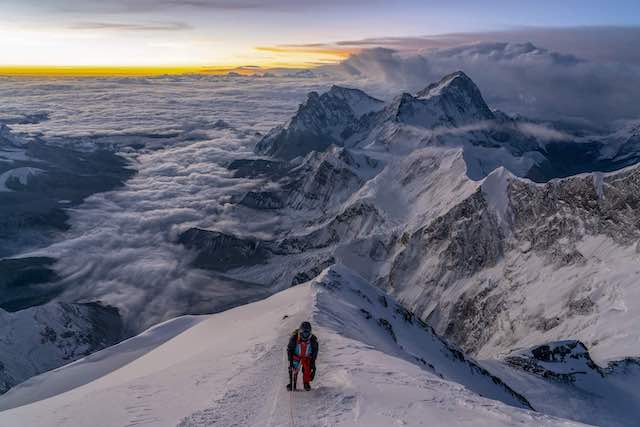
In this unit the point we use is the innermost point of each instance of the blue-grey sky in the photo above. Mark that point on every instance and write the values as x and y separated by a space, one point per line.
241 32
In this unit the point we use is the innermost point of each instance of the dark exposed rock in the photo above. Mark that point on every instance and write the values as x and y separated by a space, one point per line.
253 168
466 240
547 220
305 276
321 121
323 180
560 361
471 318
221 252
31 212
357 218
384 323
582 306
262 200
573 207
25 282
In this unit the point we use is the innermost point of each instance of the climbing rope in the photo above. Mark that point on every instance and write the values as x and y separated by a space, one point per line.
291 422
291 392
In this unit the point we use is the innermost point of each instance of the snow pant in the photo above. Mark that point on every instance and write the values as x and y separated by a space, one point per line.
305 364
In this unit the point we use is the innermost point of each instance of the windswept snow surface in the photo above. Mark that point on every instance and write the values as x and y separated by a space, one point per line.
229 369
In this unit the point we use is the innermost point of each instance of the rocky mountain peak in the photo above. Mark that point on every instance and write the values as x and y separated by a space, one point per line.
358 101
456 91
456 79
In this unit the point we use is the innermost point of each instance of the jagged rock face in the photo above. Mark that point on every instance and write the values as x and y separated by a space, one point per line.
458 97
568 210
561 379
453 101
561 361
455 245
322 121
42 338
550 222
256 168
323 180
262 200
311 273
464 258
451 112
356 220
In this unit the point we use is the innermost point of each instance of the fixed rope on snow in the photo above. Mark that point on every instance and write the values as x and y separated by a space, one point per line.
291 419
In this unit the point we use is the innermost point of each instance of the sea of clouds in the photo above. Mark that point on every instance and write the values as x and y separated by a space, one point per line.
121 248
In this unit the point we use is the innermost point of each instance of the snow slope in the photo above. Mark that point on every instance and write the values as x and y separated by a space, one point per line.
229 369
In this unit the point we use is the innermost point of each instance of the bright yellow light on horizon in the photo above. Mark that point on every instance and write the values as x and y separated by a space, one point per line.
97 53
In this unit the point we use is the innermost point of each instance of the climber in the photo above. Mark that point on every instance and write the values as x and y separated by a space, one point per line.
302 351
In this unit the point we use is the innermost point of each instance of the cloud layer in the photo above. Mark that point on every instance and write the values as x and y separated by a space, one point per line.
124 26
123 6
121 248
514 77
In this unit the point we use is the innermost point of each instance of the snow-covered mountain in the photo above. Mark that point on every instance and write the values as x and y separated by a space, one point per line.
561 379
451 229
468 252
378 365
42 338
322 120
448 220
39 180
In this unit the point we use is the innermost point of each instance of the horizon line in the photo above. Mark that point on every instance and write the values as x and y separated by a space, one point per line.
136 70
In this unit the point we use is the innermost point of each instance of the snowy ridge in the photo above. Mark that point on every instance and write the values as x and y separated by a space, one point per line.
359 102
229 368
322 120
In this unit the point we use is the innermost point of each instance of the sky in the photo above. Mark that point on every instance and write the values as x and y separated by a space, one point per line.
209 34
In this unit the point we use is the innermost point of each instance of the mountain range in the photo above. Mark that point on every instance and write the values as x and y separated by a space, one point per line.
428 236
